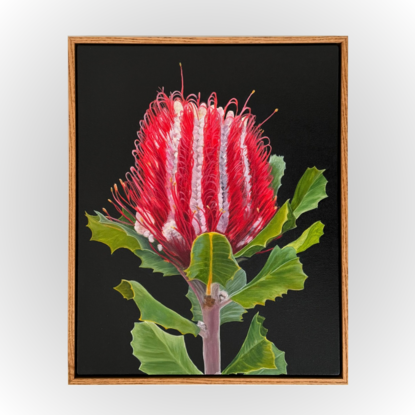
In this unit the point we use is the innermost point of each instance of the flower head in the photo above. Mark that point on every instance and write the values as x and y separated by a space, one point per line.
198 168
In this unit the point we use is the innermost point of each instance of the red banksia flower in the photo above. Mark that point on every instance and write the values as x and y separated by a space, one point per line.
198 168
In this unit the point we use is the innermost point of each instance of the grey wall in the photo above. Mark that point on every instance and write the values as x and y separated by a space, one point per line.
34 176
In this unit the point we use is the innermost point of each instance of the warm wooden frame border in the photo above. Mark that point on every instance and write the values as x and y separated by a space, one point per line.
342 41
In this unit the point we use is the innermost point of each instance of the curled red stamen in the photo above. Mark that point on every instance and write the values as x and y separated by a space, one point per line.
198 168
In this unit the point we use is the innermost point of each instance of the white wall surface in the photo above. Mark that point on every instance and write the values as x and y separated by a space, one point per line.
34 199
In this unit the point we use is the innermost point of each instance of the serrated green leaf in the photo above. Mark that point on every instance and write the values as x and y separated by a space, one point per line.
277 164
161 353
149 259
270 232
125 288
283 271
153 311
232 311
211 259
256 352
195 309
111 234
235 284
117 235
310 190
279 362
291 222
309 237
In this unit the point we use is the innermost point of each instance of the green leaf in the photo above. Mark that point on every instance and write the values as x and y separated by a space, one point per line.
309 237
153 311
256 352
238 282
270 232
113 234
196 309
291 222
117 235
161 353
277 164
310 190
232 311
280 363
211 259
283 271
149 259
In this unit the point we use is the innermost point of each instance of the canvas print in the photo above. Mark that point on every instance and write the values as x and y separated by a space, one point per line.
200 202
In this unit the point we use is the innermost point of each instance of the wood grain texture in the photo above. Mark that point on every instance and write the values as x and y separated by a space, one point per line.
203 380
72 211
344 204
207 40
342 41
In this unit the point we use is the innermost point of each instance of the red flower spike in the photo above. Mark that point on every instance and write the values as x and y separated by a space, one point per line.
198 168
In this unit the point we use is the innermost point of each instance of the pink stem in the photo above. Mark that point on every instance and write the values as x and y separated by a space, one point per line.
211 340
211 319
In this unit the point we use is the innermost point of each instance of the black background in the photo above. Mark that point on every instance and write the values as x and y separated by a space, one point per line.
115 85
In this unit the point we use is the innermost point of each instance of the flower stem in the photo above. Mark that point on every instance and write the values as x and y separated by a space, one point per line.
210 306
211 338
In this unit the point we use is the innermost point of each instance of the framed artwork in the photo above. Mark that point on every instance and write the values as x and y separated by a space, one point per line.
208 210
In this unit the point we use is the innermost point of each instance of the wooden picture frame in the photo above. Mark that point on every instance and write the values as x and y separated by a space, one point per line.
342 41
